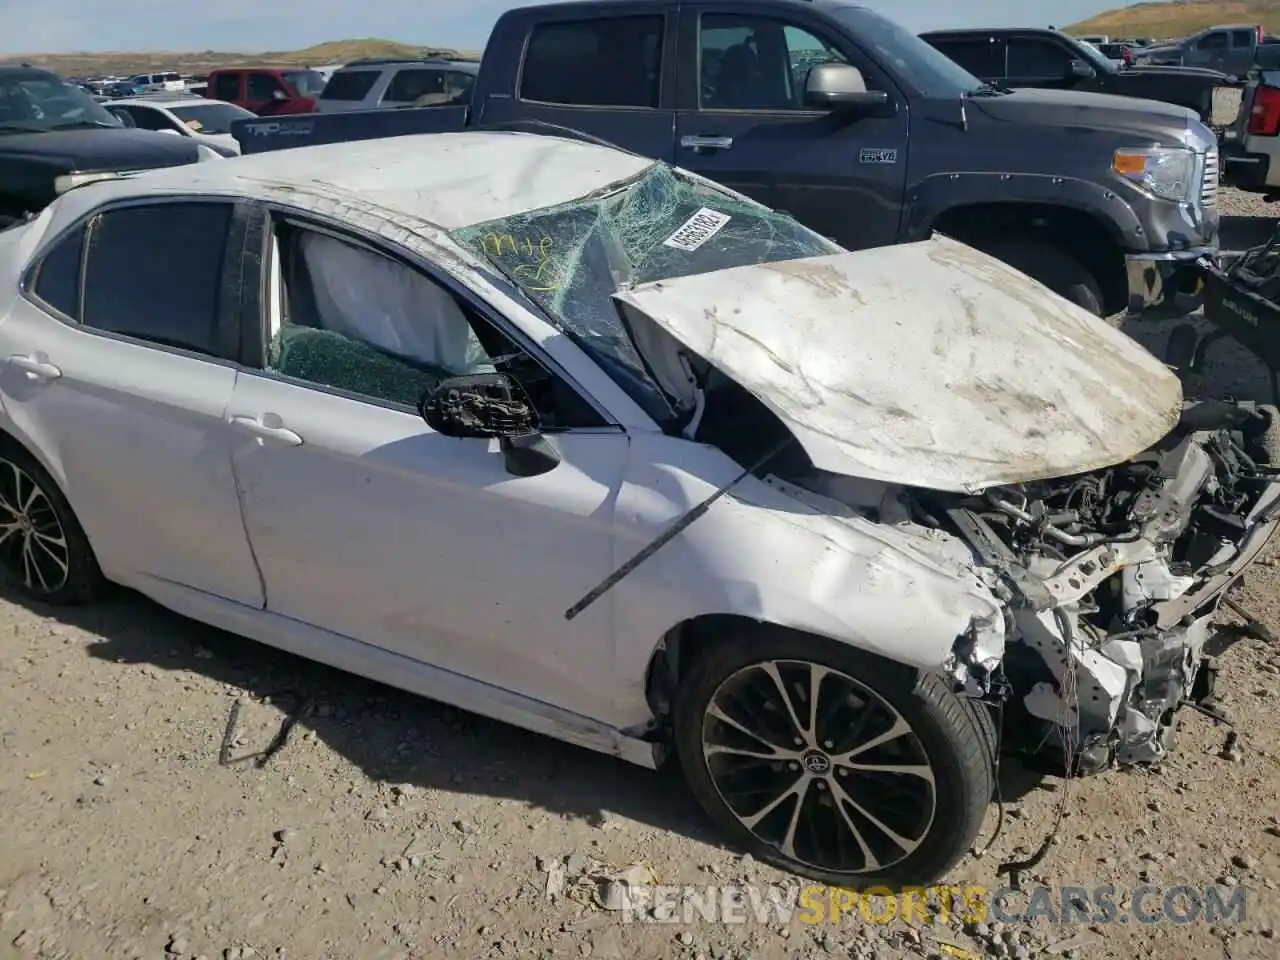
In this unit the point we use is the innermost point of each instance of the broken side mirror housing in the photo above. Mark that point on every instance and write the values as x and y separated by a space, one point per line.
1079 70
841 87
489 405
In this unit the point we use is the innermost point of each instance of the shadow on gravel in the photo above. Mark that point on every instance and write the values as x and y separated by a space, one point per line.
391 736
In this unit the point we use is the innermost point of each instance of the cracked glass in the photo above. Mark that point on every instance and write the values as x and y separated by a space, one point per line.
570 259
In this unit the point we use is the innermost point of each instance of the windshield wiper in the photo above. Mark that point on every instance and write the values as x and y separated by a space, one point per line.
85 124
989 89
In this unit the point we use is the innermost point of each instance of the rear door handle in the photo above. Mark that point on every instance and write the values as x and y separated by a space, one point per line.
706 143
35 365
267 428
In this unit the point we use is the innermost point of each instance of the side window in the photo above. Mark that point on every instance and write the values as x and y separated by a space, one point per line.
359 321
226 86
262 86
1241 39
606 62
981 56
1213 41
409 84
145 118
1031 59
176 306
458 86
57 280
349 85
755 63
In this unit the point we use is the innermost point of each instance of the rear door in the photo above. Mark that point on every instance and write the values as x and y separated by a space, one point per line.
743 123
606 71
228 86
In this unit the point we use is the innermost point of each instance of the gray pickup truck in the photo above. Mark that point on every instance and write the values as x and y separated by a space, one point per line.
853 125
1231 48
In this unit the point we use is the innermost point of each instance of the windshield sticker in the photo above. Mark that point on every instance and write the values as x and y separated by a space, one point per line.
697 230
878 155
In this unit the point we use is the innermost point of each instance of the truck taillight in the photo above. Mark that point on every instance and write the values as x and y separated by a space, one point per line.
1264 118
1262 33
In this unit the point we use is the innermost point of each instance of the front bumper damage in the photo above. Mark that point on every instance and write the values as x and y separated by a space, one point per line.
1109 623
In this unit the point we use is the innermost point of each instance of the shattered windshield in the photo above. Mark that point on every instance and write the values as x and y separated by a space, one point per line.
572 258
34 101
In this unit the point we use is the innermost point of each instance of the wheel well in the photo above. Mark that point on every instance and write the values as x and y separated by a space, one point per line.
1085 237
682 645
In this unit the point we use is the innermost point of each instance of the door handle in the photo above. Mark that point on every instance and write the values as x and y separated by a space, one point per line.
267 431
706 143
36 366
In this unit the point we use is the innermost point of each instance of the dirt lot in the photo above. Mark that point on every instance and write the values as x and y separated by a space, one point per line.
393 827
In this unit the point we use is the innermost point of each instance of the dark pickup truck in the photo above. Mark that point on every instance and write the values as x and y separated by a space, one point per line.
55 136
853 125
1053 60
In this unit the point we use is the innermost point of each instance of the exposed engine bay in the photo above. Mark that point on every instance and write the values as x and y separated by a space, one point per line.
1122 570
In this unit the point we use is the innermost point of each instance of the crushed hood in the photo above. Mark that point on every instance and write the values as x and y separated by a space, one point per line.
927 364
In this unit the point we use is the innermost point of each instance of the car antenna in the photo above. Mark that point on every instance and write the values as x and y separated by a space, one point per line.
682 523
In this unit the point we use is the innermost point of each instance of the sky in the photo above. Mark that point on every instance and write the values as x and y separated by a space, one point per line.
55 26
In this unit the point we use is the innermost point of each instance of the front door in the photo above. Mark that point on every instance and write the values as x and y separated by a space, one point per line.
122 379
744 124
368 524
1039 62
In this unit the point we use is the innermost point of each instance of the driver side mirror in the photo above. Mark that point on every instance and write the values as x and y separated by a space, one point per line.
279 95
488 405
841 87
1079 70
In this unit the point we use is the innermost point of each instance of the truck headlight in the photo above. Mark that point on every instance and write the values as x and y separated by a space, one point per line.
1165 172
205 152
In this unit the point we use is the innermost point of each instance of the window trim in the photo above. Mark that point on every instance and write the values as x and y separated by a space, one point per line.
273 211
666 55
225 324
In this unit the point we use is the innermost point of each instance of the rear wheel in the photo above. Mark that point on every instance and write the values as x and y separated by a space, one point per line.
1051 265
43 551
833 764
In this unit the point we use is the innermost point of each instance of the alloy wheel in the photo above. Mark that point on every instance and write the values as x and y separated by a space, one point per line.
819 766
33 542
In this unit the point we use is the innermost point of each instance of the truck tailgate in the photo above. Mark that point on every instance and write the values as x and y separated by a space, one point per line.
261 134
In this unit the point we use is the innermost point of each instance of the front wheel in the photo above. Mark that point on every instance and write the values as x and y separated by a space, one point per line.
1051 265
832 764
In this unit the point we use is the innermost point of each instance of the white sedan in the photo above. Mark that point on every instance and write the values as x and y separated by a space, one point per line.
576 440
206 121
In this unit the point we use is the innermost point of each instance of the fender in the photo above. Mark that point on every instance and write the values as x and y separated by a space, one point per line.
940 192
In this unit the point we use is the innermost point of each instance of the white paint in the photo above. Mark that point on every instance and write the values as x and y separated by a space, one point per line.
929 364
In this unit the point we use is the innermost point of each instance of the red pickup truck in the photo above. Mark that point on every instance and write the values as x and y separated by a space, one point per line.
267 91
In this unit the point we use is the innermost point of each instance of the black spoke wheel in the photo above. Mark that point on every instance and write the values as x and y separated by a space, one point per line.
833 764
43 550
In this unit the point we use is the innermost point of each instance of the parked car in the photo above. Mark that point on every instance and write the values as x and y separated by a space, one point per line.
1251 145
1048 58
818 121
207 121
154 82
379 84
1229 48
267 91
536 379
55 136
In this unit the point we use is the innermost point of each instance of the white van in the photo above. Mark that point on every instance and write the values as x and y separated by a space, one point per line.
159 81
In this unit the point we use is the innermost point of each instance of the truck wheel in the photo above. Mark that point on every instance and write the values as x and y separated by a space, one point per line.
1051 265
829 763
1180 352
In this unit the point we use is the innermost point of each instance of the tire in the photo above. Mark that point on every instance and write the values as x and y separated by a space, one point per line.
935 810
44 553
1051 265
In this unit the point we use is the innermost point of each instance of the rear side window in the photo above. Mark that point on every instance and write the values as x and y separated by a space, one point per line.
1243 38
605 62
1213 41
981 56
226 86
176 306
349 85
408 85
58 279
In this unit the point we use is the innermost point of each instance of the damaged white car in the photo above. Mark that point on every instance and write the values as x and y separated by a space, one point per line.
582 442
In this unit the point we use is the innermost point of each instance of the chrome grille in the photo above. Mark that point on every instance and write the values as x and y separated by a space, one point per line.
1209 183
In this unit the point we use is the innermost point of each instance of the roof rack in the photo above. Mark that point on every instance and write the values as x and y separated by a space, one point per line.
375 61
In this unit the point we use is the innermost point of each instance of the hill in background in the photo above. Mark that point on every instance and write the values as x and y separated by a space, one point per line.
1179 18
129 63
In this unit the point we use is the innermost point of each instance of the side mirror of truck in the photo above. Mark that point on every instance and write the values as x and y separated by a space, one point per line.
840 87
1079 70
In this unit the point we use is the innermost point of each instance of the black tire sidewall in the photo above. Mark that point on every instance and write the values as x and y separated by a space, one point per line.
1051 265
944 726
84 578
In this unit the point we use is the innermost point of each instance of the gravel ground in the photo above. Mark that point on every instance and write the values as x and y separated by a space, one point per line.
393 827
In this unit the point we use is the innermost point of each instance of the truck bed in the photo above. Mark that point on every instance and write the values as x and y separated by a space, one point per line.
262 134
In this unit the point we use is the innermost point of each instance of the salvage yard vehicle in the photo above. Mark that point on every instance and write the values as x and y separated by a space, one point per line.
1051 59
205 121
610 452
54 136
1251 145
384 83
809 107
266 91
1231 48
